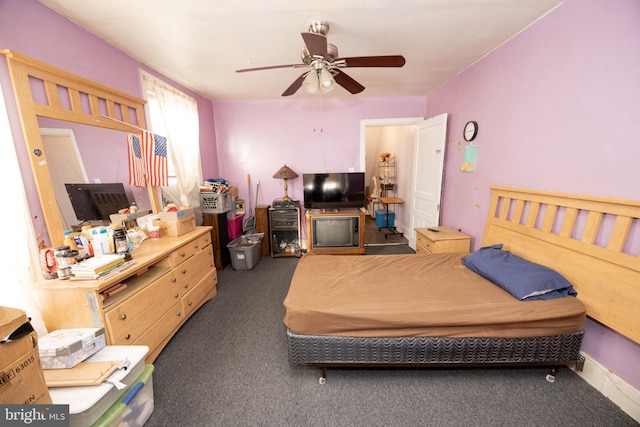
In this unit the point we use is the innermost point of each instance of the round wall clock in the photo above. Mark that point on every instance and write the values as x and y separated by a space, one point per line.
470 130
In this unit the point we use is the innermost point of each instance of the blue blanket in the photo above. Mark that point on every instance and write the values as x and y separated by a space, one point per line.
523 279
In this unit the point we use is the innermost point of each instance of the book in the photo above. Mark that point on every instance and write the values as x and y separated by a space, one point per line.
98 263
92 276
96 266
113 290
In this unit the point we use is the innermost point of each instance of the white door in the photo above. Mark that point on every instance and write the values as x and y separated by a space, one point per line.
65 167
427 174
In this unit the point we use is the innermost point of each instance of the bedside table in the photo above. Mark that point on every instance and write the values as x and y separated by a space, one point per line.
446 239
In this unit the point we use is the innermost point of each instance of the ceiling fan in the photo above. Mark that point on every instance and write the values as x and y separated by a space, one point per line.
326 66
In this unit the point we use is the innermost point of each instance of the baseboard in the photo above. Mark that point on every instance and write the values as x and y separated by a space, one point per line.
611 386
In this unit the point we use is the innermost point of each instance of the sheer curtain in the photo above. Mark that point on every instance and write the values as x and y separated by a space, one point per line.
19 253
174 114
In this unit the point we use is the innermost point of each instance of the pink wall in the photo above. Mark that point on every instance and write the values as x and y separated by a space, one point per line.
32 29
557 107
257 137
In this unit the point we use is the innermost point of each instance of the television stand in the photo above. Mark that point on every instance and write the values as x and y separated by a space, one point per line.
335 232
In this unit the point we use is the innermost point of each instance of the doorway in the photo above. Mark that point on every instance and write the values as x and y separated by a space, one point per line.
65 166
404 139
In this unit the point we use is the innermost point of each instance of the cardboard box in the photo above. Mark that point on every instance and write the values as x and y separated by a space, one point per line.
117 218
65 348
176 215
176 227
21 378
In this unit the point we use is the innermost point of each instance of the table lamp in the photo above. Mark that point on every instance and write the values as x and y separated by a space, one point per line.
285 172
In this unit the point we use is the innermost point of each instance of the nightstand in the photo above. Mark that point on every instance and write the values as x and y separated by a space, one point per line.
445 239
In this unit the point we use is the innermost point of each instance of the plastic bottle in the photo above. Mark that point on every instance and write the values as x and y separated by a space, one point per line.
101 242
86 229
69 240
82 244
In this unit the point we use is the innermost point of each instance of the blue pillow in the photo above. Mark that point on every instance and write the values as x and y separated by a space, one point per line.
523 279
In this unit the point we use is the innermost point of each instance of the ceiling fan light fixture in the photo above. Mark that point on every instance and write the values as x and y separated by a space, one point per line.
311 83
327 83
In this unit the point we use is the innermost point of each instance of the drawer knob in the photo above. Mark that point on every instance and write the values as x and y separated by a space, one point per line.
179 313
127 337
177 295
174 280
184 271
190 303
123 316
196 246
183 254
186 285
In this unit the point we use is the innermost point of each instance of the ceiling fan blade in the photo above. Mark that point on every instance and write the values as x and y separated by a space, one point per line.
347 82
371 61
297 84
316 44
271 67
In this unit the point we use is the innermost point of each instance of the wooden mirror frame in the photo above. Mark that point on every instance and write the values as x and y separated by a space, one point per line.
108 108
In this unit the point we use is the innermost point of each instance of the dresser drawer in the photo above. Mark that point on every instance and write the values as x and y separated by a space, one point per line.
423 244
185 252
439 240
162 330
143 308
193 298
190 272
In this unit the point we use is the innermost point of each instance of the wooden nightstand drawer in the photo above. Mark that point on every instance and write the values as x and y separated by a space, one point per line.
444 240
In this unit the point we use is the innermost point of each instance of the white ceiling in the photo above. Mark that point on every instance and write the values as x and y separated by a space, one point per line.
200 43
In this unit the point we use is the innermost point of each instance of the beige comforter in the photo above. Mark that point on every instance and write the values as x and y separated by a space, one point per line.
415 295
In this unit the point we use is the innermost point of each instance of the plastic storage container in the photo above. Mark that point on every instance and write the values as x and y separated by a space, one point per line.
234 226
246 251
88 403
382 220
215 202
135 407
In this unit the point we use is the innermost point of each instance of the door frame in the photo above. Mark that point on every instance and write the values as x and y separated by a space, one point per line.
398 121
66 210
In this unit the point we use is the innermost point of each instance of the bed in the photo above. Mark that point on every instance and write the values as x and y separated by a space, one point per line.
434 311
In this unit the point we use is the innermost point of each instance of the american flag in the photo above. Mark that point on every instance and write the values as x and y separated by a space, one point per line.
155 159
136 164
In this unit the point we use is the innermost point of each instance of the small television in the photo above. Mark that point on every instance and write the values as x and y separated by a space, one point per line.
95 202
334 190
335 232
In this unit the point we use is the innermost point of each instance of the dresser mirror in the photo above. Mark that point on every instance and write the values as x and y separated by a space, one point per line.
46 92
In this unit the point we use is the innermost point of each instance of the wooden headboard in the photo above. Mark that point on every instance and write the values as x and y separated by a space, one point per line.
588 240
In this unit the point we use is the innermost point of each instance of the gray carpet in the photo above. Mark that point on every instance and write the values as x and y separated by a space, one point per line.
228 366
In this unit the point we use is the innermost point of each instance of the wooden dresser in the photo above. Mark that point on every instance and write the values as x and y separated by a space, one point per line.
170 279
445 239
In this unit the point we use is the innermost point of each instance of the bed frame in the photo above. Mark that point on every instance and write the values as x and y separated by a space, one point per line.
589 240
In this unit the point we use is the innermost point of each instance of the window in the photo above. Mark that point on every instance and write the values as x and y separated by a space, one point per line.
174 114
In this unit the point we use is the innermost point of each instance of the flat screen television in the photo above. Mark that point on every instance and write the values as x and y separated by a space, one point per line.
95 202
334 190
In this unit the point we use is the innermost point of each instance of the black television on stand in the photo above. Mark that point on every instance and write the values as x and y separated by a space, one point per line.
338 190
95 202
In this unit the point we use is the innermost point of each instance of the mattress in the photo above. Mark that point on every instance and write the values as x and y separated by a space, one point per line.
431 295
